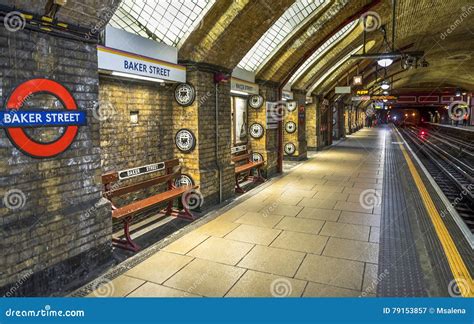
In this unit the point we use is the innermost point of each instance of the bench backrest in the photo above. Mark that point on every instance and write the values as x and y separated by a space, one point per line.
112 179
242 158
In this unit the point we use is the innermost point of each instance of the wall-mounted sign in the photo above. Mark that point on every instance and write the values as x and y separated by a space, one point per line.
362 92
240 85
301 114
290 148
256 101
383 97
134 172
290 127
287 95
238 149
184 94
256 130
360 98
183 180
185 140
342 90
15 120
120 61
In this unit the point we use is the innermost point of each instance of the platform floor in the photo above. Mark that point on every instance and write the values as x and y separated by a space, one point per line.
311 232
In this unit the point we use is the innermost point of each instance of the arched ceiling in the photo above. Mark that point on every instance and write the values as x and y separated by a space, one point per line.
444 31
83 13
223 32
230 29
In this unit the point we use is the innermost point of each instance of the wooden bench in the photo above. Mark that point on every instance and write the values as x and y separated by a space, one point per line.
167 172
244 166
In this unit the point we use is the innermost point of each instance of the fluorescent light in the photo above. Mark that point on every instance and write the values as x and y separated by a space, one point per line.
239 92
135 76
385 92
385 62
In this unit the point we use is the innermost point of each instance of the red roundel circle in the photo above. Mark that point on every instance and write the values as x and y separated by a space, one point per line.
18 136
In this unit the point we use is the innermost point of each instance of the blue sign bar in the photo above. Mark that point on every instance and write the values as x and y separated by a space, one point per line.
236 310
42 118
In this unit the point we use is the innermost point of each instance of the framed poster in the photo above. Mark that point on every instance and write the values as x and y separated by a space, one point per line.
240 121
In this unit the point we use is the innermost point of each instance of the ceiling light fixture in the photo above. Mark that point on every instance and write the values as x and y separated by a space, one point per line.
385 62
385 85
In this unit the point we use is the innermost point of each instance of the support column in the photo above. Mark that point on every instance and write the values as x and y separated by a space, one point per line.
209 163
311 133
268 144
296 118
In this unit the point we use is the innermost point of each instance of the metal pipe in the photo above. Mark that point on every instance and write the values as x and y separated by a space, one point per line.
218 164
394 13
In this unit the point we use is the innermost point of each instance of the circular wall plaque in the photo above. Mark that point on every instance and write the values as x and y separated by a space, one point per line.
255 101
184 94
185 140
257 157
184 180
290 148
291 106
290 127
256 130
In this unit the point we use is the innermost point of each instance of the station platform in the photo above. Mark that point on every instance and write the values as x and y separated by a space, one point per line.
349 221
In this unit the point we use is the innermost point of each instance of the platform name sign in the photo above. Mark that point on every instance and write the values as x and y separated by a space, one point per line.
15 120
134 172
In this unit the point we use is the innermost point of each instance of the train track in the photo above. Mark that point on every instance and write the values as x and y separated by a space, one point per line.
449 160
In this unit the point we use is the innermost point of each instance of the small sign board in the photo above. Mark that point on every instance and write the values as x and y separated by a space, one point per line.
362 92
342 90
134 172
238 149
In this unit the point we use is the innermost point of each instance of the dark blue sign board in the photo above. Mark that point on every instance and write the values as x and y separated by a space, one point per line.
42 118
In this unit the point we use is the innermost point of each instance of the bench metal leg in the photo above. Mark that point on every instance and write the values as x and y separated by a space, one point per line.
259 176
169 208
126 243
238 188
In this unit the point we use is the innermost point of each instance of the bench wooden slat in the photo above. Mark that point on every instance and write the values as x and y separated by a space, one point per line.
247 167
242 157
141 185
150 202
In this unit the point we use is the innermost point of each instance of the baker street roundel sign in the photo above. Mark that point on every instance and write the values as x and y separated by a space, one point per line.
185 140
290 148
184 94
256 130
15 119
255 101
290 127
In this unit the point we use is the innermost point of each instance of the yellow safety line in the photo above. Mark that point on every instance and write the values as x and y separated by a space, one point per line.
462 276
